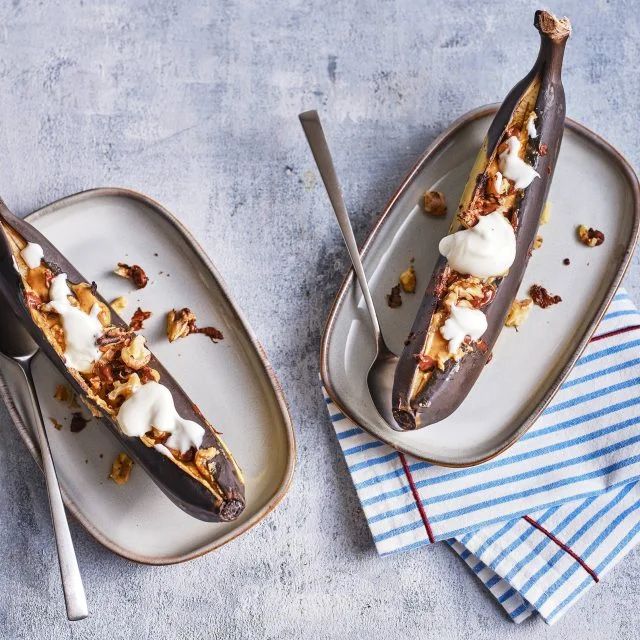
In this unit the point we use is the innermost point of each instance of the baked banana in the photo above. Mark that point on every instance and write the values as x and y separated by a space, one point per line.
116 375
484 257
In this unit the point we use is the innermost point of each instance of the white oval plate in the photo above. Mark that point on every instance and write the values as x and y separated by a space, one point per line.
231 381
593 185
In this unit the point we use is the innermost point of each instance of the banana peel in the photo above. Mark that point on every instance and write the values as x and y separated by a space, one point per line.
430 383
207 483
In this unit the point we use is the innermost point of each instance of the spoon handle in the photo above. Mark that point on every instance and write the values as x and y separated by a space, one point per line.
74 595
315 137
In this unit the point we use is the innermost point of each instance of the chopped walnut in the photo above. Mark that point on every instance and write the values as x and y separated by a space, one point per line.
121 469
125 389
179 323
105 372
203 458
119 304
537 243
116 337
135 273
138 319
518 312
469 292
408 280
590 237
545 216
542 298
32 300
434 203
394 299
182 322
136 355
78 422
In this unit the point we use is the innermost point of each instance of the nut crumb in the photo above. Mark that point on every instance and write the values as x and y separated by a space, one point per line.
435 203
545 216
537 243
147 374
119 304
56 423
394 299
138 319
590 237
518 312
408 280
425 363
136 355
542 298
135 273
64 394
182 322
121 469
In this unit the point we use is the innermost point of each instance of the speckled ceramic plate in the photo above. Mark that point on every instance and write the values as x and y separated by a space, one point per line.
136 520
592 185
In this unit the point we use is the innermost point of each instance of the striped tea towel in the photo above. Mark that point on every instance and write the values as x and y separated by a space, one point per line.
545 520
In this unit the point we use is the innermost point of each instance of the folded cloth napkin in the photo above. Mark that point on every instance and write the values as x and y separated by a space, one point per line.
544 521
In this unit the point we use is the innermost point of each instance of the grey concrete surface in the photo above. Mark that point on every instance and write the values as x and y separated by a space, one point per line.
195 103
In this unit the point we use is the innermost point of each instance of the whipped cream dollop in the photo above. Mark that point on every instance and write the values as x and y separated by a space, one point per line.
463 322
32 254
485 250
151 405
81 330
513 167
160 448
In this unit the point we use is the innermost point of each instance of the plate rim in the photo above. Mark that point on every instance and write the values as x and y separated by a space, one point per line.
287 478
475 114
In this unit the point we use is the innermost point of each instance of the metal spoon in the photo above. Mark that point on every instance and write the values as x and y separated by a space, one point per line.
17 345
381 372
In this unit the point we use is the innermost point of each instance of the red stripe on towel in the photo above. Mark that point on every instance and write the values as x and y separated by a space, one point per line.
563 546
416 496
615 332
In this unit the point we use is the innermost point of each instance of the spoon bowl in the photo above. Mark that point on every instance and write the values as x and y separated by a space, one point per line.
380 383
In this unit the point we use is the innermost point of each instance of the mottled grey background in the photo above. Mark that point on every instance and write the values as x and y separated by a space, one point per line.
195 103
